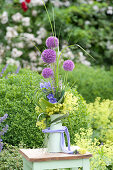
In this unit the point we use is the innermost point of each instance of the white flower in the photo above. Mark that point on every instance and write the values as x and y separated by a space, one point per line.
34 13
16 53
2 49
29 30
110 10
90 2
67 53
82 59
109 45
110 7
32 56
8 47
57 3
13 62
4 17
28 37
41 33
67 3
11 33
87 22
19 45
30 44
38 41
26 21
40 61
96 8
17 17
39 69
37 2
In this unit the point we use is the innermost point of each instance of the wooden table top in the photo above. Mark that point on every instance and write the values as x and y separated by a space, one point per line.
39 155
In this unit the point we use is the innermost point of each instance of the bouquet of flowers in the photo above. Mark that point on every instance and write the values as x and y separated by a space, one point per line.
54 98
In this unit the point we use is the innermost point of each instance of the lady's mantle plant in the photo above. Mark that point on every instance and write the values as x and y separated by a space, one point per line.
53 96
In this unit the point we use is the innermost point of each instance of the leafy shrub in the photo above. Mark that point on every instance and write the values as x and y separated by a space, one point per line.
10 158
17 98
101 114
78 119
102 154
92 82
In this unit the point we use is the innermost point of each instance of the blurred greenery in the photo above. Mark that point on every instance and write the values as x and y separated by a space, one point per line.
92 82
85 23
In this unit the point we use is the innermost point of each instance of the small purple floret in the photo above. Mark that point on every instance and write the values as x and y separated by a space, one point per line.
47 72
50 96
3 118
52 100
47 85
48 56
68 65
52 42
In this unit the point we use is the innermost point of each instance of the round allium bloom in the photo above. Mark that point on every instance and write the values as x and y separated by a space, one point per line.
68 65
47 72
52 42
48 56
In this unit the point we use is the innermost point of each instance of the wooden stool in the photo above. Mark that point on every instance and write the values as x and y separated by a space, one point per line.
39 159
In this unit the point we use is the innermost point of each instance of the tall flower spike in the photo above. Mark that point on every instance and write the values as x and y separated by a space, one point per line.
47 72
52 42
48 56
68 65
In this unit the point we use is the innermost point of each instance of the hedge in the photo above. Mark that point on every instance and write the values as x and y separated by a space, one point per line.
92 82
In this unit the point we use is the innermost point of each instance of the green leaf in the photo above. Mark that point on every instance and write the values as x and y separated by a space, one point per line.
61 97
44 103
59 118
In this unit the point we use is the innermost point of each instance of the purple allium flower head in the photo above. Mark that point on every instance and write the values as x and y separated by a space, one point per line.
52 42
47 72
48 56
50 96
68 65
52 100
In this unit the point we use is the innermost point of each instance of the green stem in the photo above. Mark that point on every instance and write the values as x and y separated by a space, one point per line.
57 72
48 17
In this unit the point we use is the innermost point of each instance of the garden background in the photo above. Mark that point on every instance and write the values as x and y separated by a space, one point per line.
88 23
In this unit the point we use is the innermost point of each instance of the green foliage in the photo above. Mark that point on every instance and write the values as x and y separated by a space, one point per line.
87 24
92 82
101 114
18 100
79 118
10 158
102 154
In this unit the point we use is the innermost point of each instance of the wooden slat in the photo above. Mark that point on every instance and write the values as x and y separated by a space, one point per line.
39 155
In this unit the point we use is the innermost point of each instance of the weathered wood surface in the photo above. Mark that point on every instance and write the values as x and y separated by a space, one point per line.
39 155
